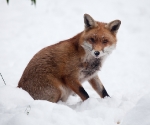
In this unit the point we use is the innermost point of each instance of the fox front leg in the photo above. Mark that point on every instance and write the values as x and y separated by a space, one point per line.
76 87
98 86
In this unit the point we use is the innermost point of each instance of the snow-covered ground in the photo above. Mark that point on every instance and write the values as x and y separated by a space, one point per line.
25 29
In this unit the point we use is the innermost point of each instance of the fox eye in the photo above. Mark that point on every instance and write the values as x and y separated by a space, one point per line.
92 40
105 41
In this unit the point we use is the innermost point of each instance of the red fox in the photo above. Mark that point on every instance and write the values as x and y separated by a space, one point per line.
58 70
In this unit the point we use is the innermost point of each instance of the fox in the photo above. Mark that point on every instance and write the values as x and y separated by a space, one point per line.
57 71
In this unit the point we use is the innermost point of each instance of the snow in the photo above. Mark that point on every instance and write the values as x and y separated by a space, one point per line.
25 29
140 114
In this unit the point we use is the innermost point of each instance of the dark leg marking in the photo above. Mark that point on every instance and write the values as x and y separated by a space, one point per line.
84 93
104 93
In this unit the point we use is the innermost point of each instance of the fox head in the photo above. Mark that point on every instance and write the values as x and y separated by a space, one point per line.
99 39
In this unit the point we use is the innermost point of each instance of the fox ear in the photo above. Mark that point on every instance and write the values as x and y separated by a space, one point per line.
89 21
114 26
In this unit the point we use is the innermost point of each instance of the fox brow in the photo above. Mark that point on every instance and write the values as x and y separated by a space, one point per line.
96 37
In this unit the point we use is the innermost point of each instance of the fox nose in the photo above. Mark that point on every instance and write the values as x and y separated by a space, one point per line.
96 53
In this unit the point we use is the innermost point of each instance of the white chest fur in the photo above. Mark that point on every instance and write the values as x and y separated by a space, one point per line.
90 67
92 64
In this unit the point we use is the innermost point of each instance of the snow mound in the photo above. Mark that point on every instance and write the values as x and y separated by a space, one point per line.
18 108
140 114
10 97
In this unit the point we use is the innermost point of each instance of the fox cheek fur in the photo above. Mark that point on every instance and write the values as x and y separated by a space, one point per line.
59 70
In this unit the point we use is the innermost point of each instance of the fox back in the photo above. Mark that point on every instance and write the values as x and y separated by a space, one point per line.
59 70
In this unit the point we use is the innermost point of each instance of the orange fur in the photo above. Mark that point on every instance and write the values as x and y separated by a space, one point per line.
58 70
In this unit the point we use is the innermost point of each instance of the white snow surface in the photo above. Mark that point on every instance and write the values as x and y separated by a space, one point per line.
140 114
25 29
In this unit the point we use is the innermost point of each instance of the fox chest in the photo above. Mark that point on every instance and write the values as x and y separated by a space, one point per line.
89 68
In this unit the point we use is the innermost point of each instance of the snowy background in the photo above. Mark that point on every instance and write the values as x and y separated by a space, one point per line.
25 29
